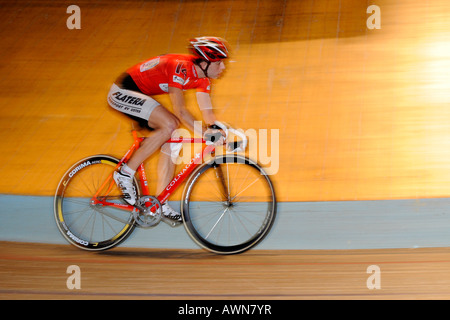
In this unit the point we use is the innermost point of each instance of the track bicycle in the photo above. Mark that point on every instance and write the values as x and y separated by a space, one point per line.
228 204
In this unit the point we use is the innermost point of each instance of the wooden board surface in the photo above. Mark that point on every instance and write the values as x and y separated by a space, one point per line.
360 114
35 271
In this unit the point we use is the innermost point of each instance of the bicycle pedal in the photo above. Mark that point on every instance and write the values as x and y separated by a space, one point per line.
171 222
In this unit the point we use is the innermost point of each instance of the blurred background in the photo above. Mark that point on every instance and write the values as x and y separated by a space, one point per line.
358 124
362 114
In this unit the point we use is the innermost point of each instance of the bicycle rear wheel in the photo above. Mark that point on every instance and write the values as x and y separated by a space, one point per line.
86 225
229 204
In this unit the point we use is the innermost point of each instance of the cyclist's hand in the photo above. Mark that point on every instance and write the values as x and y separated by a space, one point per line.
214 136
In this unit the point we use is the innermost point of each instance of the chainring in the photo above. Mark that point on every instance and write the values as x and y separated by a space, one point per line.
149 213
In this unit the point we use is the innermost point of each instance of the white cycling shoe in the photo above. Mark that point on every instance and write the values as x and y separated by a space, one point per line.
125 183
170 213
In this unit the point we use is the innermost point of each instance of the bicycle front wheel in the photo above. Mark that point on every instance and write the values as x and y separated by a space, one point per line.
229 204
85 224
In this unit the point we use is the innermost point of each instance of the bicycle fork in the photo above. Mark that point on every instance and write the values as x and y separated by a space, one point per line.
223 185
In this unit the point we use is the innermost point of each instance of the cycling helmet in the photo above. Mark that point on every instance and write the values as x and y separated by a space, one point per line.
210 49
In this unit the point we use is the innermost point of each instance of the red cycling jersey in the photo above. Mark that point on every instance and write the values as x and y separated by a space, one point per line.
156 75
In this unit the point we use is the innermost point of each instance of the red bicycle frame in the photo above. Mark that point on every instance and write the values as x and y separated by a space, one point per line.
168 190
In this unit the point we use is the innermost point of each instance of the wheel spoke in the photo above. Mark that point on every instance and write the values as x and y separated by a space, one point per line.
238 223
97 224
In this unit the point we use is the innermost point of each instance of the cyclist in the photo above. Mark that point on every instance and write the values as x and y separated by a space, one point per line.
167 74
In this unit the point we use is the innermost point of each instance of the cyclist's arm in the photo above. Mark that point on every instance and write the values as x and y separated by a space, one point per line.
205 105
180 110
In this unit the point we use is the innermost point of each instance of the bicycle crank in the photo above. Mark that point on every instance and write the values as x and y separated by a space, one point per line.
148 212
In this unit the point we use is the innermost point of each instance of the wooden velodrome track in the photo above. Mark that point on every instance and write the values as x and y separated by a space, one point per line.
362 114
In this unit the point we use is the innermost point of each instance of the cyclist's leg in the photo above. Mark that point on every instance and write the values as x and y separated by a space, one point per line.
124 98
166 168
142 108
164 123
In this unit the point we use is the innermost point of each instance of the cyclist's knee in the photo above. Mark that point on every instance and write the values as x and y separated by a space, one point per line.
173 124
169 126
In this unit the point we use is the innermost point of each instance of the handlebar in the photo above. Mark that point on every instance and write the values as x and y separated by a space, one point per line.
233 146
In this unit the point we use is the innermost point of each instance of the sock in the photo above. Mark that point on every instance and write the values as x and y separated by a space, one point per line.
127 171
